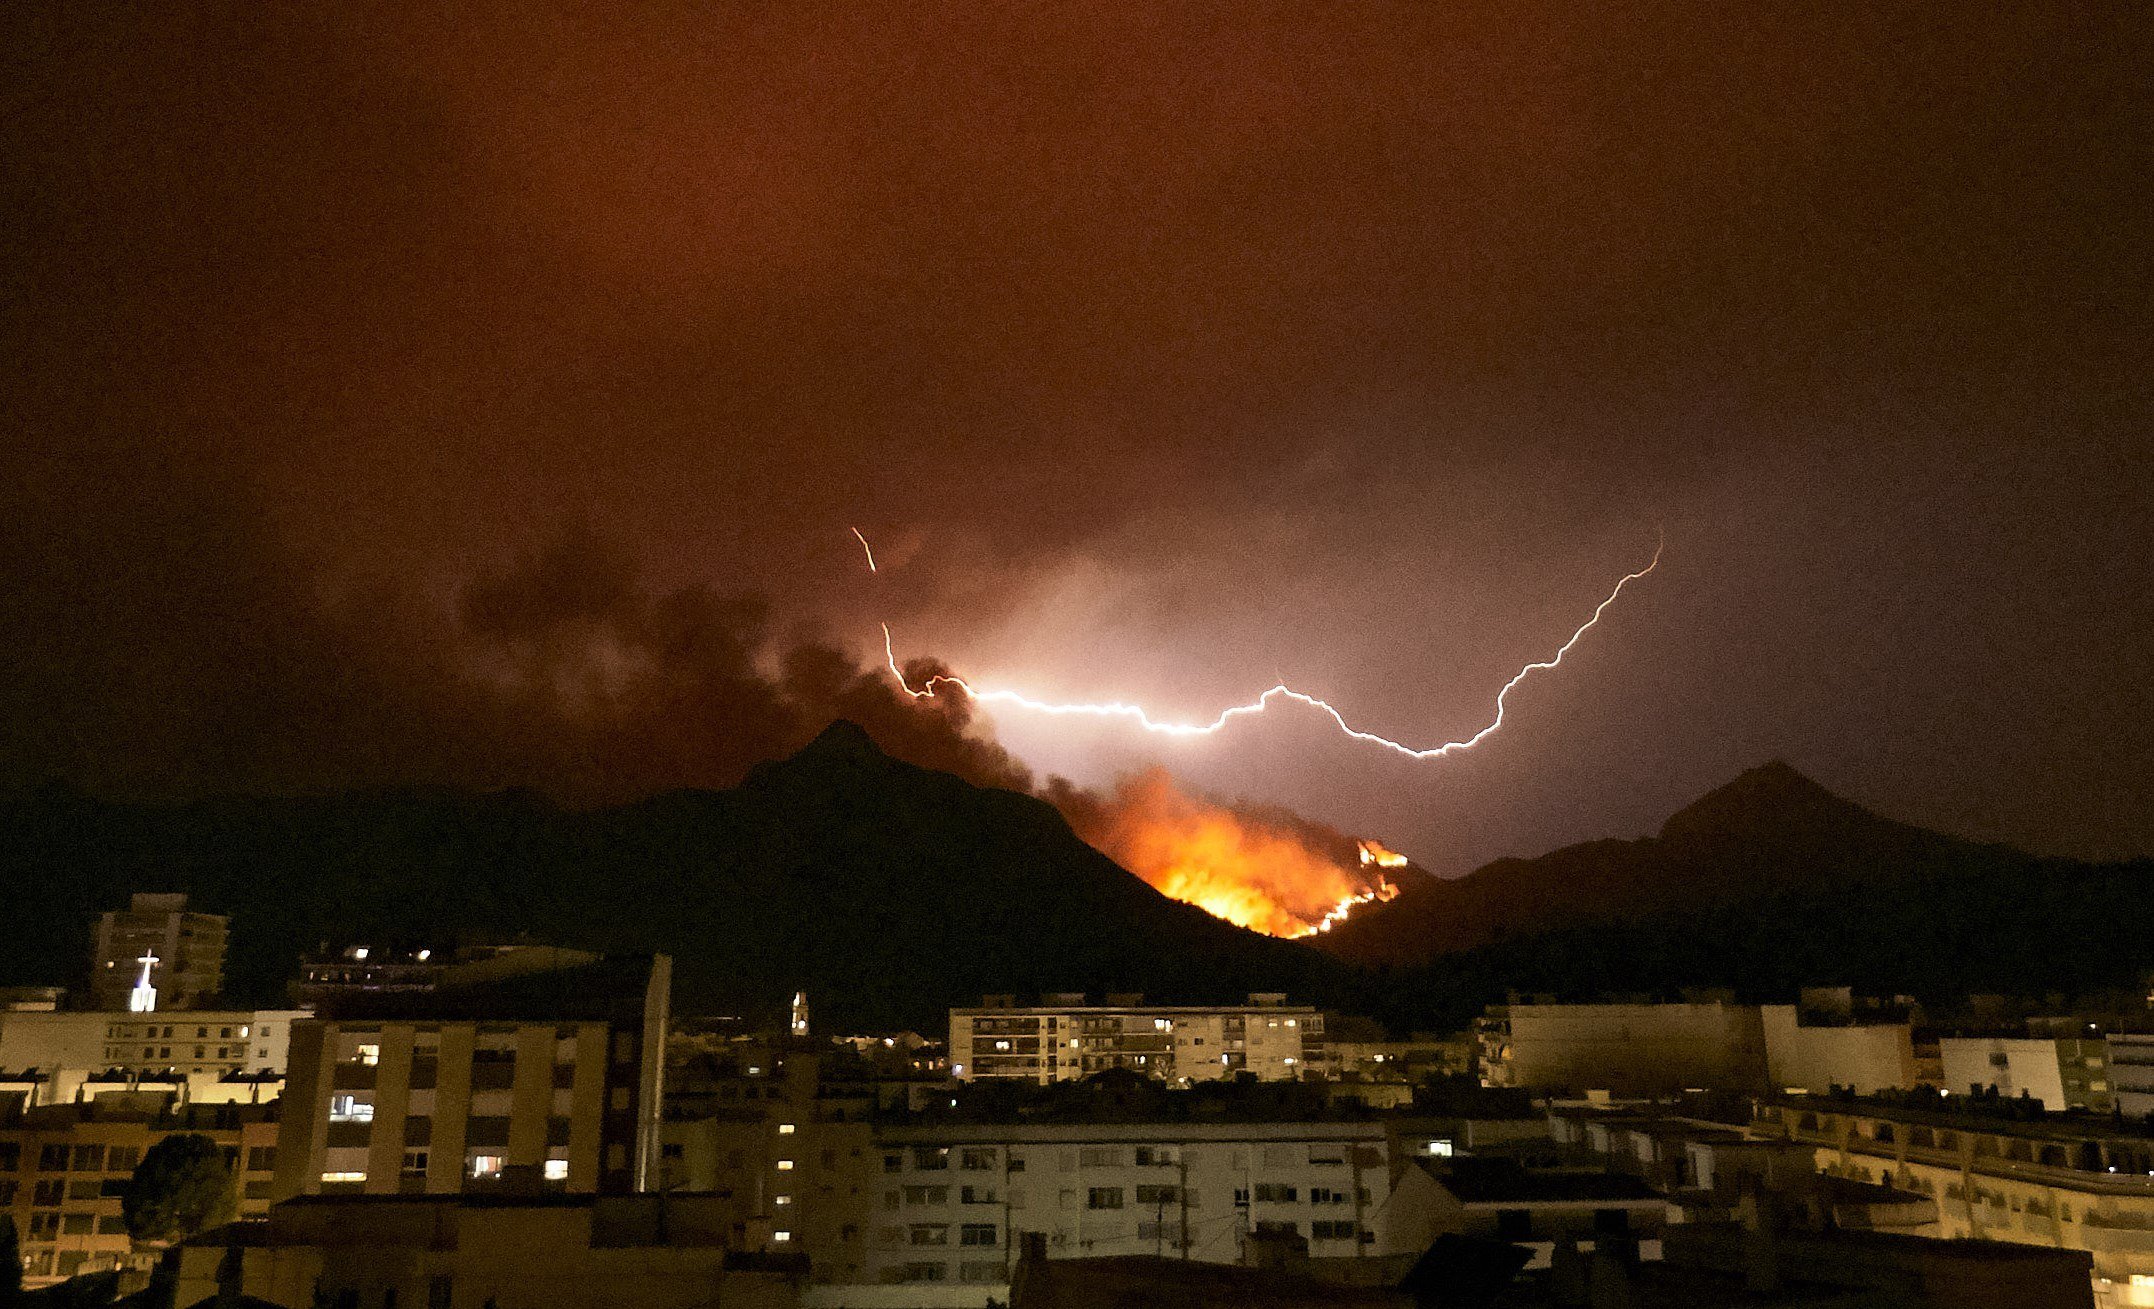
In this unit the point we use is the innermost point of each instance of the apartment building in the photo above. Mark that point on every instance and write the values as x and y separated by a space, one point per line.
956 1200
2073 1184
1064 1039
57 1056
780 1145
182 951
1662 1049
543 1082
2062 1072
2131 1073
472 1252
63 1169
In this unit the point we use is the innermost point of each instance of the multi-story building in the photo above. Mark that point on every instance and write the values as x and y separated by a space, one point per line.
63 1169
780 1143
2078 1184
2062 1072
956 1199
57 1056
547 1081
468 1252
182 952
1663 1049
379 970
2131 1073
1065 1039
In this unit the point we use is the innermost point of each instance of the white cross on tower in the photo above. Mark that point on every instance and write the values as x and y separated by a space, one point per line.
143 998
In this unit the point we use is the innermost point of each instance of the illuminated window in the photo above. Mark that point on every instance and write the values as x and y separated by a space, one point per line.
1441 1149
370 1055
348 1108
332 1179
785 1165
781 1236
486 1165
785 1129
557 1170
781 1199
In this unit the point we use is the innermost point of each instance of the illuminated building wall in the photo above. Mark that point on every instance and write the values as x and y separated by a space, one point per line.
1196 1043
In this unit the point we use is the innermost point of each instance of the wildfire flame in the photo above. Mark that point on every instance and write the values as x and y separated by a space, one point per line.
1375 855
1256 869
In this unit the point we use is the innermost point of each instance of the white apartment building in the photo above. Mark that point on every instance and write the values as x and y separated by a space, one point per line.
955 1201
1065 1039
2075 1185
57 1054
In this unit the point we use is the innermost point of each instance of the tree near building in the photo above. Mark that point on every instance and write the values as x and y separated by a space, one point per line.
182 1186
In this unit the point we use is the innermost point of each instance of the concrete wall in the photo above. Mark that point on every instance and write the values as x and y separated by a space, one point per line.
1868 1058
1637 1049
2030 1065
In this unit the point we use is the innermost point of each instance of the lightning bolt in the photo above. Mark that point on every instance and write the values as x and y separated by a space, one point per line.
1138 715
865 546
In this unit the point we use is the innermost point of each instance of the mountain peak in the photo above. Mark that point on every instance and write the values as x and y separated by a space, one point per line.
843 739
1770 798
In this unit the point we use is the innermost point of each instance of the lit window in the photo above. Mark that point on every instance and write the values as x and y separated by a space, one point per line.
785 1129
1289 1059
781 1236
754 1071
785 1165
369 1055
332 1179
557 1170
486 1165
1289 1022
349 1108
1441 1149
781 1199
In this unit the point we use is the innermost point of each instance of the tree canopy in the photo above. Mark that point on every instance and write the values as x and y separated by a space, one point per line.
182 1186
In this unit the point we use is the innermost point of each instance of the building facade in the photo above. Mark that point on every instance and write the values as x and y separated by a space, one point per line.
955 1201
2060 1072
58 1056
2079 1185
1663 1049
185 953
63 1169
1065 1039
553 1087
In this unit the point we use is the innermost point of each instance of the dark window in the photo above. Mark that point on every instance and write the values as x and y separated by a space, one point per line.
486 1131
1514 1225
52 1158
48 1193
261 1158
77 1224
439 1289
1611 1222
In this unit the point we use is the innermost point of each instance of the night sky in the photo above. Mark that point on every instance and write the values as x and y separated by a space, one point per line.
473 397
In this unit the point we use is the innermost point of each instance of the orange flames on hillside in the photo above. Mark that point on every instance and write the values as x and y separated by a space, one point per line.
1263 869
